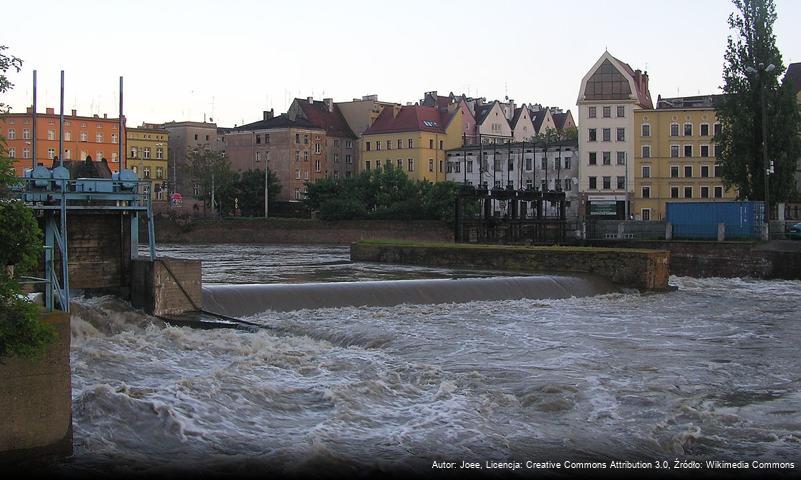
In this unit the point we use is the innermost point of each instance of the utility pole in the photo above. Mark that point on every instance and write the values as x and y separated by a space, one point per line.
212 193
266 188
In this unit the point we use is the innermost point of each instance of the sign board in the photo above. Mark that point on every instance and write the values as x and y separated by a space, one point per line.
603 208
176 200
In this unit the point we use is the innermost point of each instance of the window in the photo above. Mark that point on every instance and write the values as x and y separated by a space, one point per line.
704 171
26 152
297 139
543 164
348 159
607 112
367 146
688 192
568 185
113 138
717 170
134 152
431 165
410 164
646 192
12 153
400 144
441 145
67 154
607 134
258 139
146 171
567 163
457 166
621 183
646 171
51 153
377 146
196 136
621 111
367 165
717 130
688 150
389 144
305 155
674 171
51 134
704 151
12 134
196 189
147 153
704 129
621 134
592 112
410 143
717 150
207 138
593 183
688 129
674 192
98 138
511 167
267 138
688 171
400 164
317 148
621 158
317 165
84 136
159 173
26 134
646 130
607 183
528 164
607 158
674 129
646 151
674 151
543 185
159 153
431 144
646 214
704 192
592 135
469 167
718 192
297 155
67 136
593 158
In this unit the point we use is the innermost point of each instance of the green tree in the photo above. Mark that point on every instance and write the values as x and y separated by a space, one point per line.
249 190
21 330
740 111
210 169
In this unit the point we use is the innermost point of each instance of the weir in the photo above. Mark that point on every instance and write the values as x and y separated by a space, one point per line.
241 300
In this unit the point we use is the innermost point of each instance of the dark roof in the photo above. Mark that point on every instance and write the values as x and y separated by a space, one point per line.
559 119
699 101
332 122
538 117
643 94
84 169
410 118
281 121
793 75
483 110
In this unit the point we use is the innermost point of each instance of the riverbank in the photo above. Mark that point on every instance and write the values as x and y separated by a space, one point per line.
297 231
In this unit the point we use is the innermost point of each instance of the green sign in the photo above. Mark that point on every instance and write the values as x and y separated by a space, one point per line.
603 208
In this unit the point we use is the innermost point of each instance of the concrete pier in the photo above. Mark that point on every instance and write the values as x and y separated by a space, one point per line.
646 270
167 286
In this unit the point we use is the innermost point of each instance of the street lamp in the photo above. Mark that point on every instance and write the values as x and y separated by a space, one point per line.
762 68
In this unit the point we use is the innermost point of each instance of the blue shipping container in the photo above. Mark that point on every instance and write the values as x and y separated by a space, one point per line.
701 219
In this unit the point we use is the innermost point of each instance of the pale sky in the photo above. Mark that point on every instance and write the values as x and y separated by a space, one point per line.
232 59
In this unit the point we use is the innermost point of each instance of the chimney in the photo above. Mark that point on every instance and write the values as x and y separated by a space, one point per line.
105 115
95 116
268 114
74 112
49 111
329 103
645 82
311 100
29 110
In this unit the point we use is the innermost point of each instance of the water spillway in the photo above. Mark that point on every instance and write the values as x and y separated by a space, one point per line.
248 299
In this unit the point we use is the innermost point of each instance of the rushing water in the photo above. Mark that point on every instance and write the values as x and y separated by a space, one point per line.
711 371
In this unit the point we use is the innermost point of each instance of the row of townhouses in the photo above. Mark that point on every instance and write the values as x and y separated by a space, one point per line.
626 155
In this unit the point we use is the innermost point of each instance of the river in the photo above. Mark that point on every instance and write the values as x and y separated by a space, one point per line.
711 371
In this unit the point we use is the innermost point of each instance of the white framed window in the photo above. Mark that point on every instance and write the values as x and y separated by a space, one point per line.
26 152
159 153
51 153
98 138
146 153
114 158
51 134
646 151
84 136
67 136
26 134
645 214
645 130
12 134
12 153
646 191
113 138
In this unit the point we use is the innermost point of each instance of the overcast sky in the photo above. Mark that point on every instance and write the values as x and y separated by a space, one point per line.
232 59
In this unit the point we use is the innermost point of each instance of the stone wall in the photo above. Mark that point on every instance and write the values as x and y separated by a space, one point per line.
722 259
36 399
641 269
167 286
280 230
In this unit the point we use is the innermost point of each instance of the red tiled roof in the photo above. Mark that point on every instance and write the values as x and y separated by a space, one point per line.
332 122
410 118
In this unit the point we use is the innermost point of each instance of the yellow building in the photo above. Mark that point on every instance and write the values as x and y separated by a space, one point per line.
147 156
674 156
413 138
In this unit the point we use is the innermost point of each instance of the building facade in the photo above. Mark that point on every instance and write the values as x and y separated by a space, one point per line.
294 150
674 157
147 154
96 137
519 165
341 143
610 93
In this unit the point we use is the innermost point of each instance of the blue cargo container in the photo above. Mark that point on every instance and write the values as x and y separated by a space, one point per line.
701 219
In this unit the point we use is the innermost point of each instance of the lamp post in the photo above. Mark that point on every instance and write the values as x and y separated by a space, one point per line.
759 72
